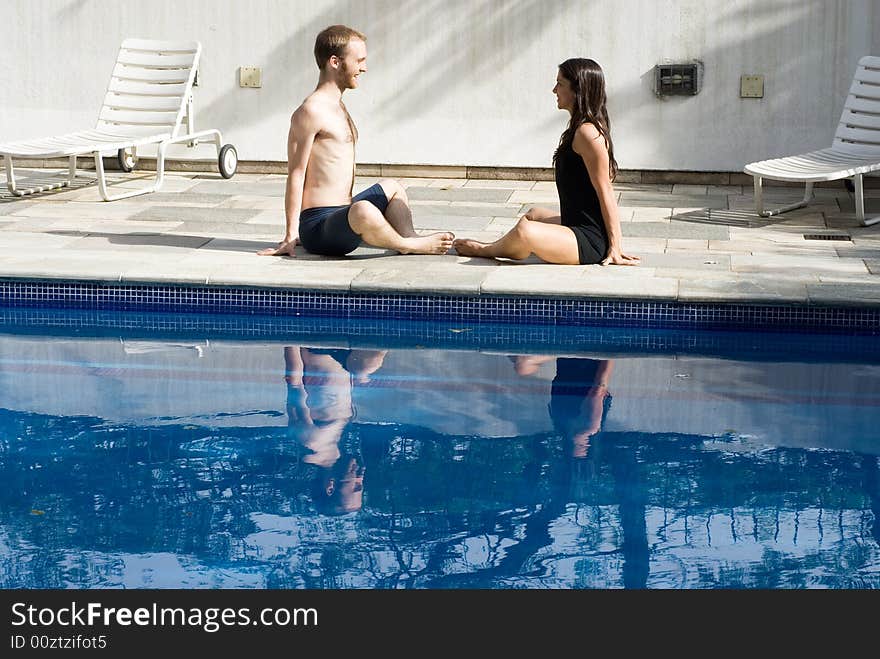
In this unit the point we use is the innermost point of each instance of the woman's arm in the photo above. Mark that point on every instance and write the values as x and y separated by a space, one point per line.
589 144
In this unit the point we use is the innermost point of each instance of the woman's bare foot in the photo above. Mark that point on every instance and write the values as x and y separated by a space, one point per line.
433 243
468 247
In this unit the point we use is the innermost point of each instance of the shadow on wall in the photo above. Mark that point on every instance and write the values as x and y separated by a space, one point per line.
488 38
421 68
783 42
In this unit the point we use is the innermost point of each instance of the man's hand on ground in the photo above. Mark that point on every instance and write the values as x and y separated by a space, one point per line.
285 248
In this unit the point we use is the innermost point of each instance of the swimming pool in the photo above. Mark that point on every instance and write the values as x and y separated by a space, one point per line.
188 451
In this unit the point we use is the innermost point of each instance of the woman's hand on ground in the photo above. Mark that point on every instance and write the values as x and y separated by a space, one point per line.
616 257
285 248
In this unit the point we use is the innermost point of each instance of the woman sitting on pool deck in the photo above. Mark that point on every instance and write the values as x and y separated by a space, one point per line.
587 228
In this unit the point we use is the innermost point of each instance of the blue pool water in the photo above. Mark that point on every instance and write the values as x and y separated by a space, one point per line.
151 451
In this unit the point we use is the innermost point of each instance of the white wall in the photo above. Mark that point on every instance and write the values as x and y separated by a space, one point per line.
464 82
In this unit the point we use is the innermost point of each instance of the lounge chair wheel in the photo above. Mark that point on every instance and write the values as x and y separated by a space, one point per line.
127 161
227 160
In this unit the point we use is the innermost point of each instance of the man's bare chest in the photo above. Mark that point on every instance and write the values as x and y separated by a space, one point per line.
339 129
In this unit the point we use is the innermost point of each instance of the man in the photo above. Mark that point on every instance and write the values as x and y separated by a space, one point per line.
319 209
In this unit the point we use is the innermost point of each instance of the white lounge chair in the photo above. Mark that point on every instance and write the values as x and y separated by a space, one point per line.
147 100
854 152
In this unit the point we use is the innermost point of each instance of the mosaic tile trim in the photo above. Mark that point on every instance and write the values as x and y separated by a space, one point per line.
389 334
479 309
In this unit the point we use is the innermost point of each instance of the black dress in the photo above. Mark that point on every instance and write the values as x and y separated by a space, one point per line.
579 206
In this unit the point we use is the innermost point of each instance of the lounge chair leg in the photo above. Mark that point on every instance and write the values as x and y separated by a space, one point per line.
71 170
102 182
10 177
859 193
759 200
860 203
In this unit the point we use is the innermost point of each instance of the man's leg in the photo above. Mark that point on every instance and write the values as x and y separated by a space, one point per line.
398 212
374 229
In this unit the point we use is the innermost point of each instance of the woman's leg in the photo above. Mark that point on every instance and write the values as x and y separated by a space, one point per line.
546 215
551 243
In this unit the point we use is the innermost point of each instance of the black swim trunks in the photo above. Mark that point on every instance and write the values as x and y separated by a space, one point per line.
325 229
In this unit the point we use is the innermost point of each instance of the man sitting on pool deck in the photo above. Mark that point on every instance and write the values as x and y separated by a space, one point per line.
319 209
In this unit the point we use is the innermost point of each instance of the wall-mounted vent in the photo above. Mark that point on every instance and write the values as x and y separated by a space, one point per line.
677 79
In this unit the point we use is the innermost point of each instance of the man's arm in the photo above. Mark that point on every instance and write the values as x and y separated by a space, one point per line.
303 128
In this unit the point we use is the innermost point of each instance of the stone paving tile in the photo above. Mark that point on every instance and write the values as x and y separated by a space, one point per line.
851 251
222 246
9 207
124 226
638 246
286 275
656 288
526 207
778 236
455 224
449 278
872 206
269 188
783 263
645 214
465 210
687 244
672 201
871 279
70 209
190 214
748 204
675 229
844 294
143 244
448 183
535 197
18 241
148 272
264 233
192 199
684 188
661 188
770 250
254 202
459 194
752 290
543 185
691 260
501 185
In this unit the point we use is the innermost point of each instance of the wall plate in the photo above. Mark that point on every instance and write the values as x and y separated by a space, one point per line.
751 86
250 76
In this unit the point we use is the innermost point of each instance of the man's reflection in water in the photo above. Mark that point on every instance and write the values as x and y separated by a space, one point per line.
320 408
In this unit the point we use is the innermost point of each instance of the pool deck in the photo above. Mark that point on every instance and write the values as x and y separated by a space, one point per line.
698 243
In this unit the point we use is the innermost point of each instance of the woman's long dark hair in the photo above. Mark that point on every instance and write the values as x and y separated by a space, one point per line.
588 84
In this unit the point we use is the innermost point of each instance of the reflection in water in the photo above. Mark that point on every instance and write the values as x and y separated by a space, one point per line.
389 468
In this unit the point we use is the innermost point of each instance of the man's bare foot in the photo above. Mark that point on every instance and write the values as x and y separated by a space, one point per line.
468 247
433 243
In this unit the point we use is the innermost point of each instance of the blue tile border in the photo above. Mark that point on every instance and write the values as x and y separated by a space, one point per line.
476 309
383 334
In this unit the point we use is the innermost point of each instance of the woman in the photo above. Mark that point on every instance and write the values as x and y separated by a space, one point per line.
587 229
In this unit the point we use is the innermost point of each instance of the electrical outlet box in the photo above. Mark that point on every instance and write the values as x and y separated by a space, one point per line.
751 86
250 76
